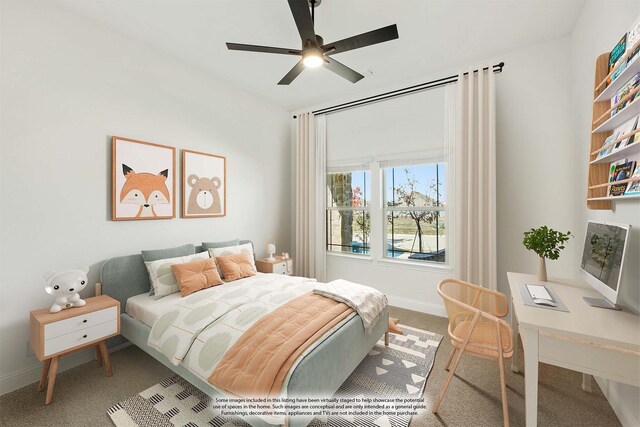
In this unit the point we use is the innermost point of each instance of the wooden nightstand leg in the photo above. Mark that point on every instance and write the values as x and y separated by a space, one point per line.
99 356
45 372
105 357
53 370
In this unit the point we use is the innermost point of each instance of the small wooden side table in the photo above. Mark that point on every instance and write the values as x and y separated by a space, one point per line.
57 334
278 266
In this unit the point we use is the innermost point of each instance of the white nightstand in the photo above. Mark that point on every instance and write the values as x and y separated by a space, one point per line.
57 334
278 266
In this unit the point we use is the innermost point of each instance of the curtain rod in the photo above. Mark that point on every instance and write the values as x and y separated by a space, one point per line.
399 92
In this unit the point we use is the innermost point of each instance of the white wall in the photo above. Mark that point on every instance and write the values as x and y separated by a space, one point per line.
68 85
598 29
534 155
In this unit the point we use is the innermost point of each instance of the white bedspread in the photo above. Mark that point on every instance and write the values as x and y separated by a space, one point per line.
369 303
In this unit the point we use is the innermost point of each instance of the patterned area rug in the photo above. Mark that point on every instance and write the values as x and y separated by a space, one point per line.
398 371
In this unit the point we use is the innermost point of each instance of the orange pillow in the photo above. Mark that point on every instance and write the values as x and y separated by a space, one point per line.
196 275
236 266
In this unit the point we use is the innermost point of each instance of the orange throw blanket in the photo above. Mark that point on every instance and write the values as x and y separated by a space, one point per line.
257 364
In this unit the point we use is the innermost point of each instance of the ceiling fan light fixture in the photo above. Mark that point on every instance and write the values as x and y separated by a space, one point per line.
312 58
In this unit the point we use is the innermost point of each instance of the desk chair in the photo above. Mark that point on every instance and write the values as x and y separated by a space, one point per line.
475 327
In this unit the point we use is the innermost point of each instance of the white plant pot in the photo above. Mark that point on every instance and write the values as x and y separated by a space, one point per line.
542 270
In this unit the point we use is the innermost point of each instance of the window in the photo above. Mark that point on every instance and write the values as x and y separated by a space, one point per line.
348 218
409 217
415 212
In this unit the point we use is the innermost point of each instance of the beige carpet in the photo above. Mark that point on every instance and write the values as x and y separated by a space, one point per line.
83 395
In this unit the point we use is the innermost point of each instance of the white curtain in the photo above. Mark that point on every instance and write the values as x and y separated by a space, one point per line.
475 178
309 196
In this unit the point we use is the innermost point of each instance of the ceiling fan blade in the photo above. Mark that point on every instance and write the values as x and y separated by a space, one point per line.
291 75
362 40
302 16
264 49
342 70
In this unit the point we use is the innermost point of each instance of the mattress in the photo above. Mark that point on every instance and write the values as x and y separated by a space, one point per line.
147 309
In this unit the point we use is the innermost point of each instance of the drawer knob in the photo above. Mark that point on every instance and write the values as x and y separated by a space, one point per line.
84 321
84 336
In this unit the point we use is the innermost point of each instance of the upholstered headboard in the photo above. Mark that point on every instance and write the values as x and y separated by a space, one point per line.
125 276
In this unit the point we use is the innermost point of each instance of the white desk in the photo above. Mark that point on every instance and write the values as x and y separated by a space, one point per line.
595 341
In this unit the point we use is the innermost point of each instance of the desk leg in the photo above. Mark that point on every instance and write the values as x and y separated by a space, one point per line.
586 382
516 333
531 377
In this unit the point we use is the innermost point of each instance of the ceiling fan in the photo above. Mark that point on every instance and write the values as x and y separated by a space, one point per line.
314 52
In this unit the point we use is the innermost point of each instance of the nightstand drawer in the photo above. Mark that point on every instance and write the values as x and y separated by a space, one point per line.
80 337
77 323
280 268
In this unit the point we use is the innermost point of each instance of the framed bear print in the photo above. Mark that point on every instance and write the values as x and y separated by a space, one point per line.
143 180
204 185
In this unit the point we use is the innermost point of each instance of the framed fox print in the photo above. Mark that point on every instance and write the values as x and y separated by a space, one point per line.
204 185
143 180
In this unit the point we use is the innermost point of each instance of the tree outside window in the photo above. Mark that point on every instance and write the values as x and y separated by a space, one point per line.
348 219
416 208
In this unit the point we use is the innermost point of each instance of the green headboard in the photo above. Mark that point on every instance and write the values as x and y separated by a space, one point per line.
125 276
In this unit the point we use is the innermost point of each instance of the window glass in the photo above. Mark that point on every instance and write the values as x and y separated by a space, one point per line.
414 231
348 220
349 189
420 185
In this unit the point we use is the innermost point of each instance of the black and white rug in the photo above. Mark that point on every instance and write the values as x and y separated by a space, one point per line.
398 371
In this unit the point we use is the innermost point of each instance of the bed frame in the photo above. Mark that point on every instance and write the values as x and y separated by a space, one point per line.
321 372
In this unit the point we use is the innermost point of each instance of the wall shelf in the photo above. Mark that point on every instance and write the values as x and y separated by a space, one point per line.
598 168
630 111
631 196
619 154
624 77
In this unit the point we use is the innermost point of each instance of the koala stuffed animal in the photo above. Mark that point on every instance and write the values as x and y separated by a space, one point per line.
65 285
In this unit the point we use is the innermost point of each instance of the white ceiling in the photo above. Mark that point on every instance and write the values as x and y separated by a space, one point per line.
434 35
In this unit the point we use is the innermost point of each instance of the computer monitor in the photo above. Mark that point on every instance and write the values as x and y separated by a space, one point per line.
603 260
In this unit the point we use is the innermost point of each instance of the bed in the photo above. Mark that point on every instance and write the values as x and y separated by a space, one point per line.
320 372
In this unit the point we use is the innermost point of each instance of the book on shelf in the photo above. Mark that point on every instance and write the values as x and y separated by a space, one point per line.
624 129
622 171
615 57
612 168
634 186
633 36
630 85
632 138
635 138
606 142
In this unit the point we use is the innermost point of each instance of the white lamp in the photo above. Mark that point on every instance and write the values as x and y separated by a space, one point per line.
271 249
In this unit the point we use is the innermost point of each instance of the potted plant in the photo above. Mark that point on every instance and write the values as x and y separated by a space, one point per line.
547 243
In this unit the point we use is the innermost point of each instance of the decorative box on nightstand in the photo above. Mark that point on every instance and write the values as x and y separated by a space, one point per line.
278 266
58 334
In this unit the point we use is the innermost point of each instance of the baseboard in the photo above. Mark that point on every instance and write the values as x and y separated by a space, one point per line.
30 374
624 413
422 307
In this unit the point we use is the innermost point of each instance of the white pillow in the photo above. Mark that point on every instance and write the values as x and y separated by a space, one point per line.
162 278
247 248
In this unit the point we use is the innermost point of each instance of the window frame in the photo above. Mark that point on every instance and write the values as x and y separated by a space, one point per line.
377 208
400 163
